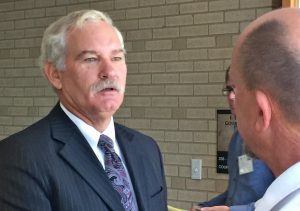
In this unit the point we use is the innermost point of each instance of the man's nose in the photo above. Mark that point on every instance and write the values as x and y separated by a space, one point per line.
107 69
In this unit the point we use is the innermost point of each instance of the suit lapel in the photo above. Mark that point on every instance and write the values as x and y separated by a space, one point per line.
134 163
78 154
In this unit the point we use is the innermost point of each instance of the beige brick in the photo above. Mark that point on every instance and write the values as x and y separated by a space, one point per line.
23 121
159 45
198 125
165 78
139 34
179 43
193 149
202 42
7 6
178 183
103 6
56 11
6 101
224 28
168 147
155 134
139 57
212 174
164 124
35 13
13 72
132 90
217 101
14 15
123 112
208 185
13 92
18 53
224 40
220 53
34 92
193 54
22 101
133 79
212 125
159 113
223 5
138 123
171 170
179 113
165 10
255 3
216 77
137 101
6 120
261 11
138 13
177 159
151 3
138 113
132 68
179 90
191 195
26 62
127 25
195 78
44 110
221 186
4 44
165 56
210 65
138 45
22 24
6 63
44 101
179 67
185 171
76 7
187 31
205 137
193 101
25 43
165 33
194 7
240 15
179 20
201 113
207 89
117 14
209 161
17 111
6 25
152 67
24 82
214 17
44 3
212 149
179 136
243 25
172 194
153 90
177 1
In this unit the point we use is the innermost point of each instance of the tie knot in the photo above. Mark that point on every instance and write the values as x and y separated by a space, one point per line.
105 142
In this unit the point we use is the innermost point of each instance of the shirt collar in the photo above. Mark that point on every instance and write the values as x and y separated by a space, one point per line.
89 132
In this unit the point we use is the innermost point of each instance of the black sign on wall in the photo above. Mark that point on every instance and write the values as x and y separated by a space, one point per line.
225 128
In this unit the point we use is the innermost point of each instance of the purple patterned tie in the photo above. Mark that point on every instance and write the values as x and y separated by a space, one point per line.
116 172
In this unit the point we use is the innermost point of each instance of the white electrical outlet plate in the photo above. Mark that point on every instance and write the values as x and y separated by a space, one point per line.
196 168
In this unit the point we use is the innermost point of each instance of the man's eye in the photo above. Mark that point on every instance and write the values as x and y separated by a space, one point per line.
91 59
117 58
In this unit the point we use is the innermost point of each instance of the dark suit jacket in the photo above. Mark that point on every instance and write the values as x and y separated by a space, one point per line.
50 166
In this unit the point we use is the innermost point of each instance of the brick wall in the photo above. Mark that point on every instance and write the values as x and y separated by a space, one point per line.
177 53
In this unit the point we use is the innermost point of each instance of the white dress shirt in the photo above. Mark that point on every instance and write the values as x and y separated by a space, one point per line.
285 184
92 136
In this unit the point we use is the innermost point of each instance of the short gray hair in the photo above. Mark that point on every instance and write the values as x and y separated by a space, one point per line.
53 47
268 62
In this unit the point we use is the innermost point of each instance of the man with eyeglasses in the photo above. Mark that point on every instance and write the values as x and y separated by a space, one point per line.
248 177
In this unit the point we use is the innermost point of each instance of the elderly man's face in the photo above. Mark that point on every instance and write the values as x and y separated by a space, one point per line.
93 55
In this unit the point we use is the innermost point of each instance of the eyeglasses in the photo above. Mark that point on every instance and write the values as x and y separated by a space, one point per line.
227 90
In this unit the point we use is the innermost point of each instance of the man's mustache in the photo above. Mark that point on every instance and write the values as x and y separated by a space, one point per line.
107 84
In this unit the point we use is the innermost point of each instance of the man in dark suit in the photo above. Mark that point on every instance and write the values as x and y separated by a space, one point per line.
77 158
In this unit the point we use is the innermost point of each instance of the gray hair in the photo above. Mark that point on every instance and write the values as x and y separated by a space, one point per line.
270 63
53 47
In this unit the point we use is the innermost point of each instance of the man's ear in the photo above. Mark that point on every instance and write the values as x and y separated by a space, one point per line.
264 111
53 75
